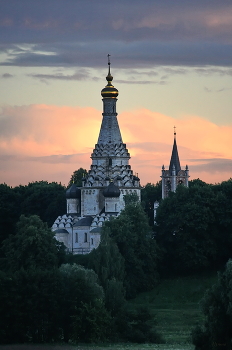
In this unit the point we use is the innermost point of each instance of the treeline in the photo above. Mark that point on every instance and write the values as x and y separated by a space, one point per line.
47 295
194 227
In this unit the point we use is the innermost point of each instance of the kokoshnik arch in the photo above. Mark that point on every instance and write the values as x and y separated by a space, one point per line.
109 179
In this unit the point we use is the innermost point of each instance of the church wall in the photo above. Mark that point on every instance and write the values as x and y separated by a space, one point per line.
81 238
73 206
90 201
112 205
94 240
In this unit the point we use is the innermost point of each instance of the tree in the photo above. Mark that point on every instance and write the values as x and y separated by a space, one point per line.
92 323
149 194
79 287
9 211
217 308
108 263
47 200
32 283
133 236
33 246
186 229
77 176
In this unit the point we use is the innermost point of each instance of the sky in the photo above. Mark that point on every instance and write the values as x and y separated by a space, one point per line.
171 62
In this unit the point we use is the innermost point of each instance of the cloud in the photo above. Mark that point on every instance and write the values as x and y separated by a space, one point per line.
142 34
7 75
81 74
41 142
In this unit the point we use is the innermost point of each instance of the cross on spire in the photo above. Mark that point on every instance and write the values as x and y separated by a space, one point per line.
108 63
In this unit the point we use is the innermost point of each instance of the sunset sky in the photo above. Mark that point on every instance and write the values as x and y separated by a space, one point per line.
172 64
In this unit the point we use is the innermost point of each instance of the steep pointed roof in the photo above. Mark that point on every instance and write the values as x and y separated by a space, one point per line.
175 157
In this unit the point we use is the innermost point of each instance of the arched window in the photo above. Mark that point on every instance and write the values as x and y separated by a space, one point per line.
110 161
92 241
85 238
76 237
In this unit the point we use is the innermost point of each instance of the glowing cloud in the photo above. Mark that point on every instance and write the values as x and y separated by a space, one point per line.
41 142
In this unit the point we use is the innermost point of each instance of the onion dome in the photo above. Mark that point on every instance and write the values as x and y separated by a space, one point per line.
107 178
111 191
109 91
73 192
119 178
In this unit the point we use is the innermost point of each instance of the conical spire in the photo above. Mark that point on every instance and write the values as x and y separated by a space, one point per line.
110 131
174 162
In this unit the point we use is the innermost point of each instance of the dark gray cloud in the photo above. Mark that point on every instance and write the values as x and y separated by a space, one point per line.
80 75
139 55
214 165
219 90
137 33
7 75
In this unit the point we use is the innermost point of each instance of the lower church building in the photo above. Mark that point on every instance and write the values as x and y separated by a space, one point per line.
101 195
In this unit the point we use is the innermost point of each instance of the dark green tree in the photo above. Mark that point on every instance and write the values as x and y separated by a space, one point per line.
79 287
33 246
133 236
108 263
31 281
149 194
217 308
77 177
92 323
186 229
9 211
47 200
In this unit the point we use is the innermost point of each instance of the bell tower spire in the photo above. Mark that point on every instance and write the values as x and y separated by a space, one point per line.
174 176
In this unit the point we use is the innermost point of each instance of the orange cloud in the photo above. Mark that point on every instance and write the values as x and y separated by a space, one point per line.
41 142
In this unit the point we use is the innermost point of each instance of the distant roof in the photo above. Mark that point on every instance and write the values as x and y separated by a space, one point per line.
87 221
73 192
96 230
111 191
61 230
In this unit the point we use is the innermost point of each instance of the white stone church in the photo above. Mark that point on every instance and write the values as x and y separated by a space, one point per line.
110 178
101 196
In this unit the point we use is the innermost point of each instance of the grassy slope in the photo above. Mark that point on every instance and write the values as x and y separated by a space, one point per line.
175 304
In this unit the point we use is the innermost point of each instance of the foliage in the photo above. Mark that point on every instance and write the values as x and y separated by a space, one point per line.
9 210
108 263
92 323
216 306
133 236
29 306
149 194
189 228
79 286
33 246
44 199
137 326
47 200
131 198
76 177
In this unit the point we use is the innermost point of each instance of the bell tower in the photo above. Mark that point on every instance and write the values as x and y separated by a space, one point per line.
174 176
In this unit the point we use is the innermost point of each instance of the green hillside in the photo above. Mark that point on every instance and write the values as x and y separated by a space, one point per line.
175 305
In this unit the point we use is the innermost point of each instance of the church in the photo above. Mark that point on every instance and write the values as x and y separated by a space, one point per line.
109 179
101 196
